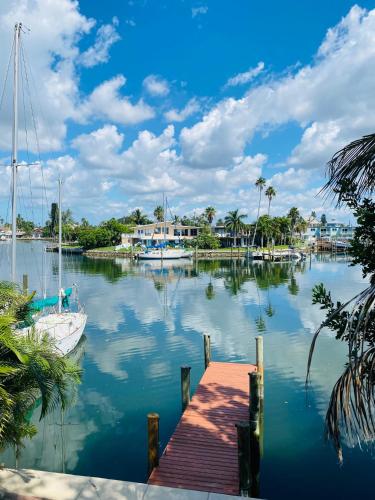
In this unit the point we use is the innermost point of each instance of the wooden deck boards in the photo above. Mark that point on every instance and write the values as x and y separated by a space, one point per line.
202 452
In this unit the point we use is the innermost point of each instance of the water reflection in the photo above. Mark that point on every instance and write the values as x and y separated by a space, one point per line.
145 321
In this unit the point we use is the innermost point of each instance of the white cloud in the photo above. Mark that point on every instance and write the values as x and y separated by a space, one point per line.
50 48
245 77
156 86
106 36
196 11
320 94
175 115
106 102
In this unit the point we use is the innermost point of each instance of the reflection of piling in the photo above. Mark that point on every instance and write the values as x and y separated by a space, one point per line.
153 441
207 350
185 386
255 430
25 283
243 444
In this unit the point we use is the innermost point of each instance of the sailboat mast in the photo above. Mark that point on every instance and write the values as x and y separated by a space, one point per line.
164 213
17 33
60 243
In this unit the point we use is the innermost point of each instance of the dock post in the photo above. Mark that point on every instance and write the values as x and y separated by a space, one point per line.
260 367
254 417
207 350
185 386
25 283
243 443
153 441
260 363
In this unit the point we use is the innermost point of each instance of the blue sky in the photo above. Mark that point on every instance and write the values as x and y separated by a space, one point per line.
194 98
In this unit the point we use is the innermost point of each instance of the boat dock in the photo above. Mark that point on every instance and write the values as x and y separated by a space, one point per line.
202 453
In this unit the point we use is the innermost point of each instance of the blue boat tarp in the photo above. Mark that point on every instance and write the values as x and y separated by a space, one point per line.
39 305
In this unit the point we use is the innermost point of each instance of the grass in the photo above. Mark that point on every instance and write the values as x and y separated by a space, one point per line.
110 249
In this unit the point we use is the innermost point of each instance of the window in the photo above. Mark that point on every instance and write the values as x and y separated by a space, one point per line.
193 231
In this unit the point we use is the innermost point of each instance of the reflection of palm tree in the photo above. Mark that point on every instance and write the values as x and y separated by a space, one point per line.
210 292
293 286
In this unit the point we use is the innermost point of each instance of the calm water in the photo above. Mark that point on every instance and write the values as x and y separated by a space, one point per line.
145 321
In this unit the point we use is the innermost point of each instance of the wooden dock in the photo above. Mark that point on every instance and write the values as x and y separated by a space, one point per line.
202 453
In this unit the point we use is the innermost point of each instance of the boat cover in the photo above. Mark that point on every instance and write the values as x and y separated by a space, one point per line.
39 305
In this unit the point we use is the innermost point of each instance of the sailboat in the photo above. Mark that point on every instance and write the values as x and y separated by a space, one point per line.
64 327
161 251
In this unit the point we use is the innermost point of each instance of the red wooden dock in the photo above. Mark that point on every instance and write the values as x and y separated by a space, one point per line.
202 453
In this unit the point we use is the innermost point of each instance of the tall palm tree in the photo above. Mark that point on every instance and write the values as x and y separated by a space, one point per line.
270 193
259 184
210 213
234 222
159 213
294 216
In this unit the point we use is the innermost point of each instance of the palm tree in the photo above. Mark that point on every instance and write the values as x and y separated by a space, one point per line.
210 213
270 193
301 226
30 369
352 166
234 222
159 213
351 407
293 215
176 219
265 227
259 184
138 217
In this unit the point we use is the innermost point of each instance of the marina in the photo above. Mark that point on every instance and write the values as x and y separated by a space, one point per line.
146 320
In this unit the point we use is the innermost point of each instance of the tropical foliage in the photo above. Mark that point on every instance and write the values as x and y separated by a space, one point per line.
352 403
159 213
30 371
234 222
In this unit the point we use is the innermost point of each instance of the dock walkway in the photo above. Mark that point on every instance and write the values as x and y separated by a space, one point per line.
202 452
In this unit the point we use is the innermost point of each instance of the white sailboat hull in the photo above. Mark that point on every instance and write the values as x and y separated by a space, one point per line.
168 254
65 329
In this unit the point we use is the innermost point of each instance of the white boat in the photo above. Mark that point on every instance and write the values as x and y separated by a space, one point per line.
165 254
64 327
254 255
162 252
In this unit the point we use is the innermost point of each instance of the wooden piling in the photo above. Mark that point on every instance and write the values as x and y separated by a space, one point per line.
207 350
260 362
153 441
25 283
255 428
243 449
185 386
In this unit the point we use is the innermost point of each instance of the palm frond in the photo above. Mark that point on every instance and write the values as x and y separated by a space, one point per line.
352 165
351 407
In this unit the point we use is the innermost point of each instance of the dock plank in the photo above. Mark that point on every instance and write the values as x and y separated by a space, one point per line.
202 452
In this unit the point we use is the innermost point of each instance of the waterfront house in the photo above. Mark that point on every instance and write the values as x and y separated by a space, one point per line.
152 234
330 231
